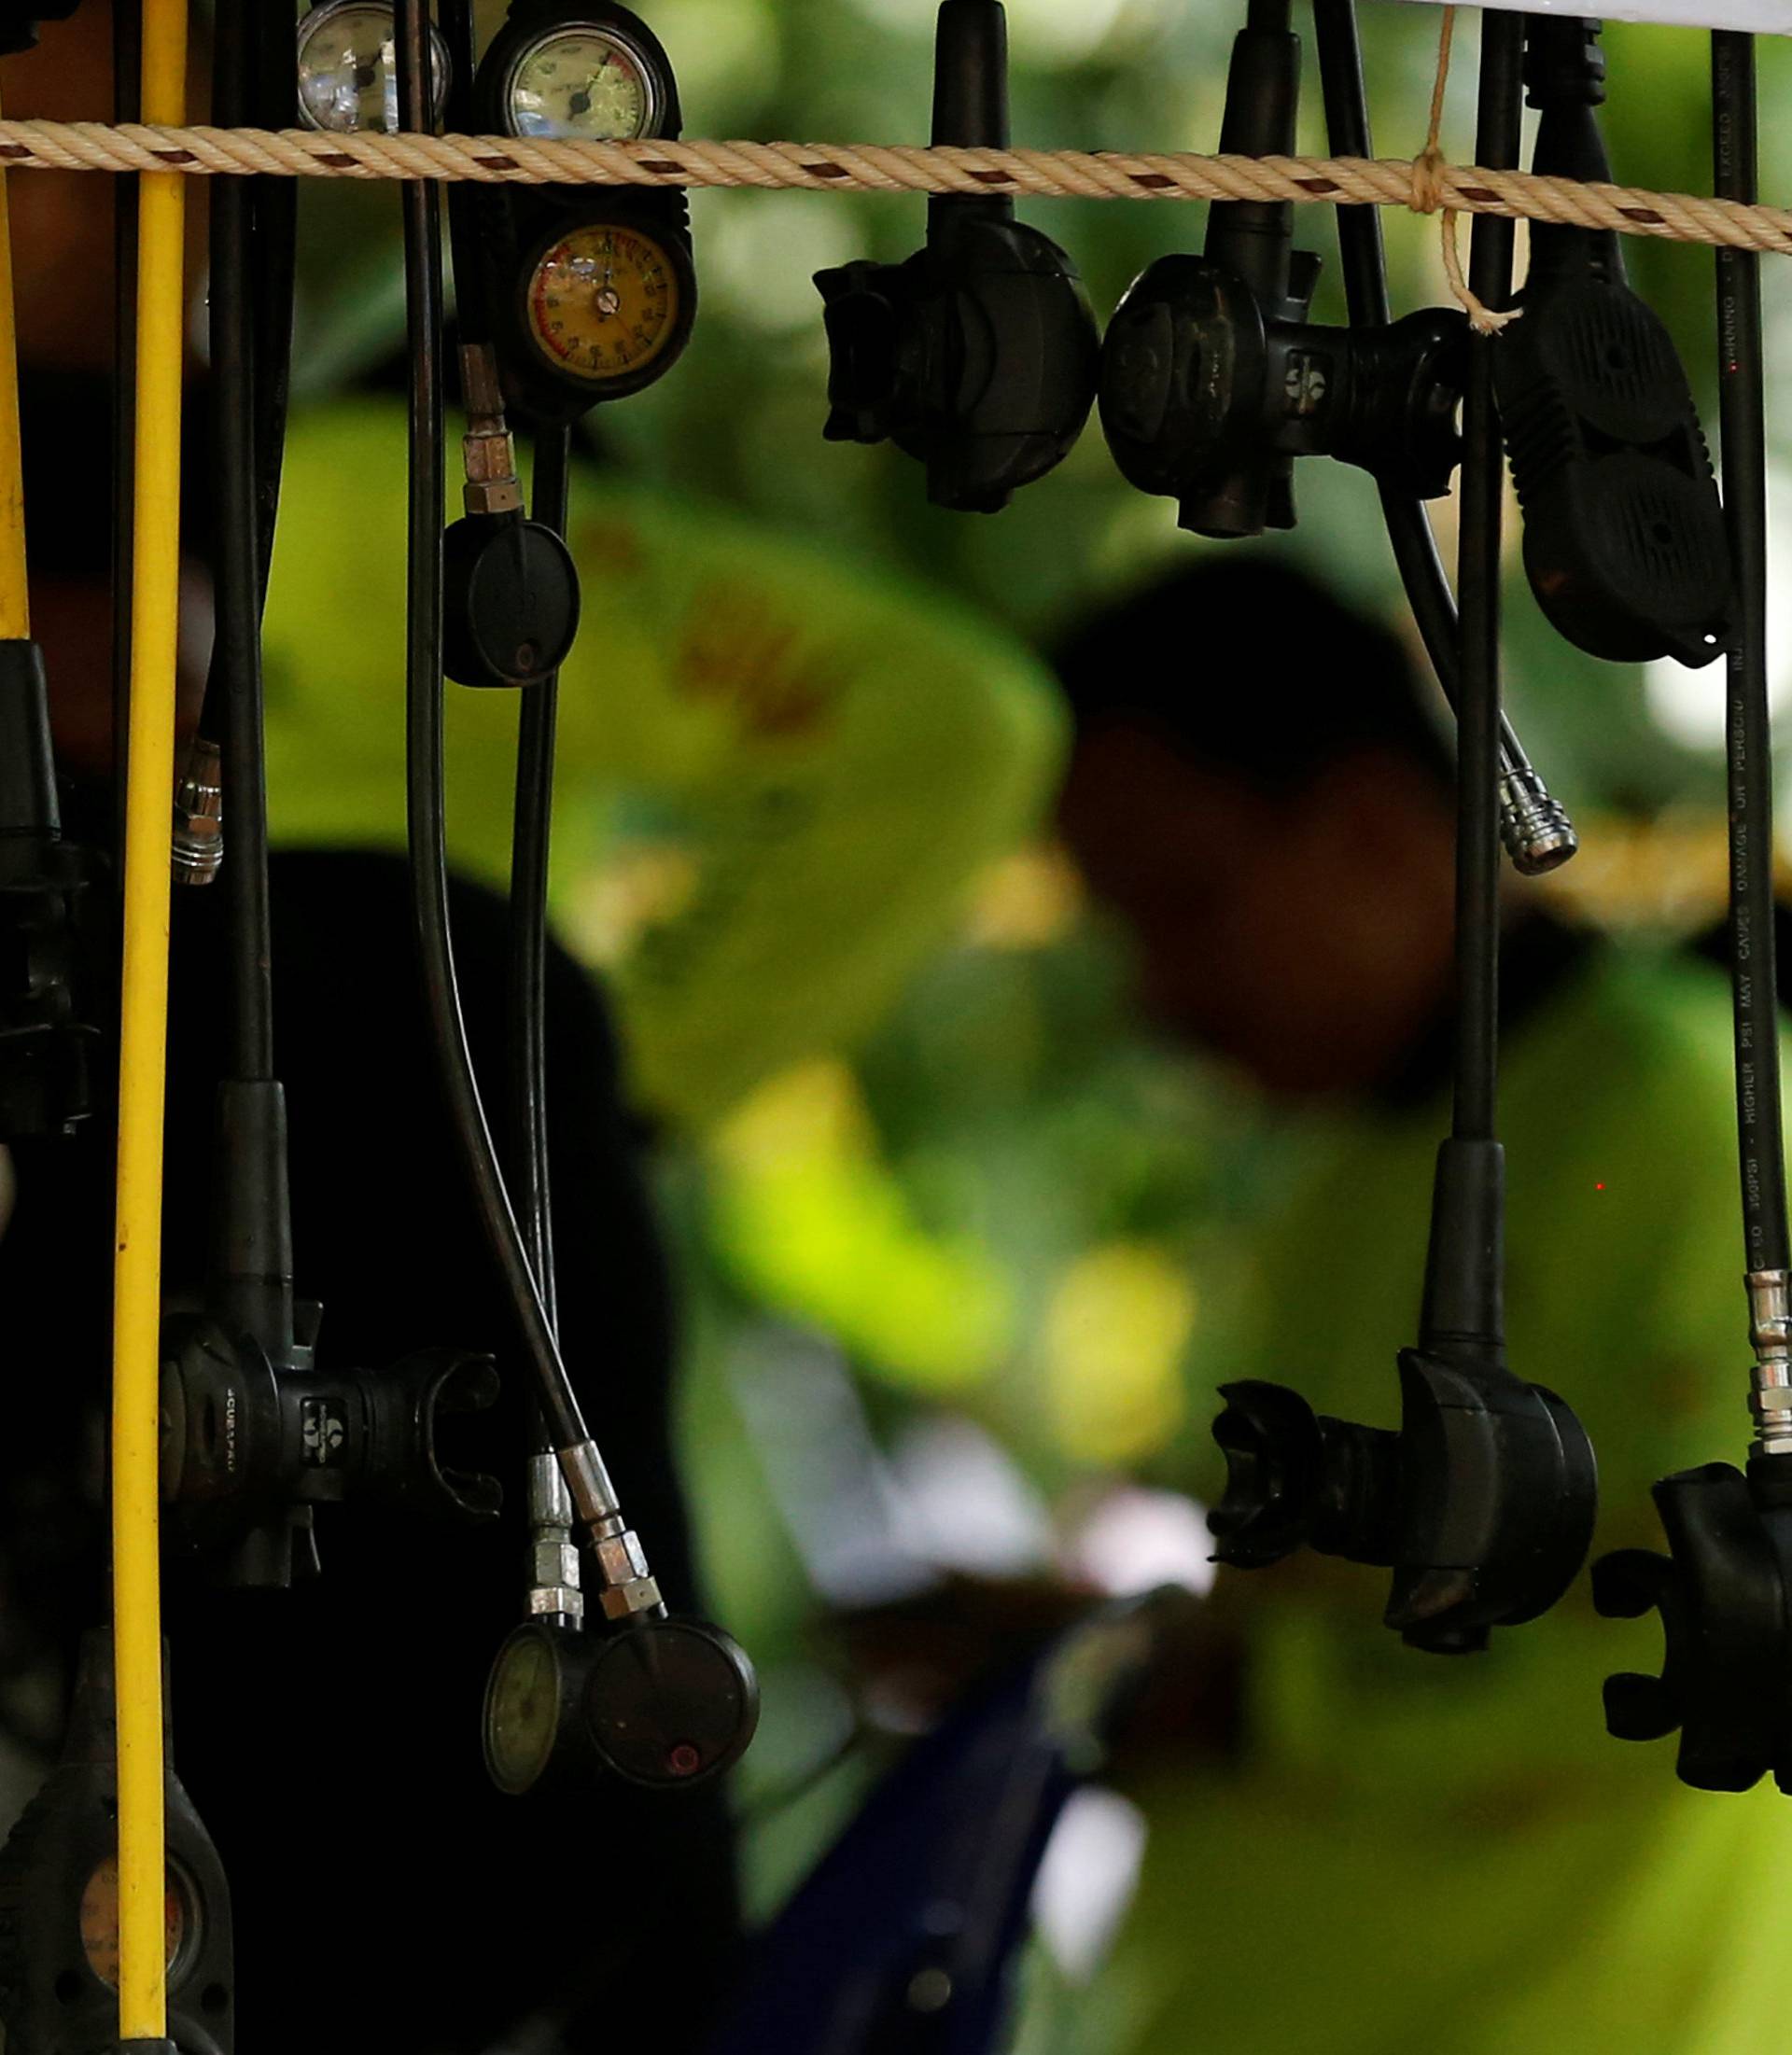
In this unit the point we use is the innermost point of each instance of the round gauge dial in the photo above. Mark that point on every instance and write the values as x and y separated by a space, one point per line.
98 1921
348 68
522 1710
582 82
604 303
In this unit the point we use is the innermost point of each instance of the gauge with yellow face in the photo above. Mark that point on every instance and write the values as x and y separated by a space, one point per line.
98 1921
607 306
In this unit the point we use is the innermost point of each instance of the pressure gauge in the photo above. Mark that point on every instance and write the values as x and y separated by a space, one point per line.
661 1703
587 82
607 306
348 68
99 1920
529 1697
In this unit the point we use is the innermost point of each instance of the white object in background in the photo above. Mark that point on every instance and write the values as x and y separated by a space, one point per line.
962 1501
807 1425
1758 16
1136 1539
1086 1878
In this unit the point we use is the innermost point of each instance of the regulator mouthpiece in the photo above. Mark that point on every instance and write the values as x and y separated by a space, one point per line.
1481 1504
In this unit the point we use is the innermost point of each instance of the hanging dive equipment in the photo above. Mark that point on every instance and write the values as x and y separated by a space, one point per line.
1623 533
1536 830
257 1433
59 1898
592 294
1213 381
347 76
978 355
1482 1504
1212 378
45 1034
1723 1588
662 1700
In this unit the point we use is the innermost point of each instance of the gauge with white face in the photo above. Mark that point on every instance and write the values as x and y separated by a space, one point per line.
580 82
348 68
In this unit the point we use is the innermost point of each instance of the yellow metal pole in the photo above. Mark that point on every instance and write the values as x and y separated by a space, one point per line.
143 1039
15 606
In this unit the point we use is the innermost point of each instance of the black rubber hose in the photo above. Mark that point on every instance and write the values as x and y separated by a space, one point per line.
529 849
1477 714
424 762
1364 265
273 226
472 319
1743 432
235 688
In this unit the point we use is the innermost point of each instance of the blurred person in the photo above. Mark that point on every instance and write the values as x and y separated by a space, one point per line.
1381 1851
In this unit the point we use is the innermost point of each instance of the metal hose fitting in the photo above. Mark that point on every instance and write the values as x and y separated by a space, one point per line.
626 1584
554 1560
1769 1324
197 848
1535 829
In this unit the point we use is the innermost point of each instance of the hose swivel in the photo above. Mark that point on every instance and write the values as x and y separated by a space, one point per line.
1770 1326
626 1584
196 849
554 1558
1534 827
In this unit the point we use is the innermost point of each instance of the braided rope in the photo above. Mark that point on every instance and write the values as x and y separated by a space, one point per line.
825 167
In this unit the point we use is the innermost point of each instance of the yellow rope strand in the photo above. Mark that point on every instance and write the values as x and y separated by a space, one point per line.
15 599
142 1035
871 167
1428 168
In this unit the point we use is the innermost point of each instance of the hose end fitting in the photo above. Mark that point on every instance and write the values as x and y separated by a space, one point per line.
197 848
554 1560
626 1586
1769 1325
1534 827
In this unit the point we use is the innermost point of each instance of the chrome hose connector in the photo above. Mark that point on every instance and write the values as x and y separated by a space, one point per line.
1535 829
487 448
1769 1325
196 849
626 1584
554 1590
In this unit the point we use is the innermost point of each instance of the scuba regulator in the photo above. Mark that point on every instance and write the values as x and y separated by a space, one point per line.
978 355
257 1433
1482 1504
1213 381
1724 1589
